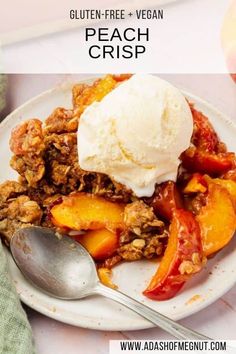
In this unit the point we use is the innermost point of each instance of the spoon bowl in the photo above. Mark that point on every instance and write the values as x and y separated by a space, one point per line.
55 264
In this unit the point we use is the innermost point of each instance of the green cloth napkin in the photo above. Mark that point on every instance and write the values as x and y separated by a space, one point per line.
3 82
15 332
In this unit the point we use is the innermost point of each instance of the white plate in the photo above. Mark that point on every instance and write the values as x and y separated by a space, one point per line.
100 313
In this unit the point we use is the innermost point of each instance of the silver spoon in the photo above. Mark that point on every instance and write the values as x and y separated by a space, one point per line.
64 269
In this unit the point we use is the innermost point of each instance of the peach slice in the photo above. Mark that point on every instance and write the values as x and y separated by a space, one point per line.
217 219
195 160
83 211
101 244
196 184
183 257
105 276
231 174
166 200
204 136
228 184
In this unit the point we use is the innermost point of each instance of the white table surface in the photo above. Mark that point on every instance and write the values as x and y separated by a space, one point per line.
217 321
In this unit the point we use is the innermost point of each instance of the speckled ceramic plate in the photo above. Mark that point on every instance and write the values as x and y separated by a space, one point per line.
100 313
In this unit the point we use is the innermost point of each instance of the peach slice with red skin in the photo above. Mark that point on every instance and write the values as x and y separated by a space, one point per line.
183 257
195 160
204 135
84 211
101 244
166 200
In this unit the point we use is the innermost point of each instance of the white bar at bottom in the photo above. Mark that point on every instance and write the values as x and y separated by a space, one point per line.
174 346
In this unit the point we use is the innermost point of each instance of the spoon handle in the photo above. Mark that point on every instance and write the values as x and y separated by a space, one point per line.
151 315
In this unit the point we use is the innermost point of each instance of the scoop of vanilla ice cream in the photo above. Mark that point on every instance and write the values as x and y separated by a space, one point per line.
136 133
